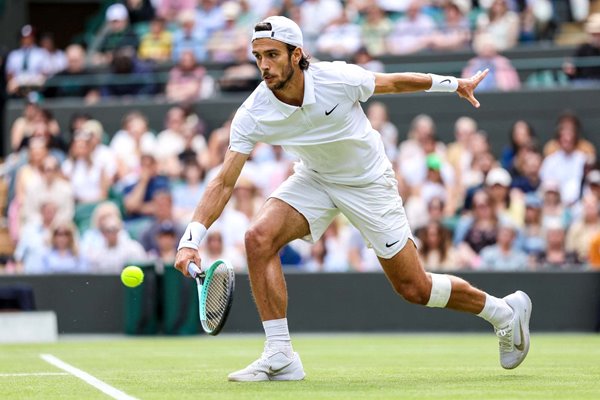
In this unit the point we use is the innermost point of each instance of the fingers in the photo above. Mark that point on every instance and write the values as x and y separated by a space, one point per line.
183 258
478 77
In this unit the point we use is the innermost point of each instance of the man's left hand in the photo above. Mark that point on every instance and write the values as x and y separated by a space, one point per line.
467 86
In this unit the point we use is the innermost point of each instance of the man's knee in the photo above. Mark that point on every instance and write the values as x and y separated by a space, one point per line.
259 241
413 292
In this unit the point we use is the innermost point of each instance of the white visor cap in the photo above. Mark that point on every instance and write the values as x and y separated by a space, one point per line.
282 29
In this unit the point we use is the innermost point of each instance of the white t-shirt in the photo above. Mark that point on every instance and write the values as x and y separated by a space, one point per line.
329 133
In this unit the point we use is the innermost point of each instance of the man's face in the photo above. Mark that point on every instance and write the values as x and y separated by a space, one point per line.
274 62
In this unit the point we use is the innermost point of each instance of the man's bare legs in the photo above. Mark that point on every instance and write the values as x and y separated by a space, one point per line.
409 279
276 224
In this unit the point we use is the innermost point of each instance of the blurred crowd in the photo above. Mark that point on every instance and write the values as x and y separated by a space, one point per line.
102 200
128 55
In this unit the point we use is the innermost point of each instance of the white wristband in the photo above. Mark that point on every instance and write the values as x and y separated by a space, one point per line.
193 235
441 83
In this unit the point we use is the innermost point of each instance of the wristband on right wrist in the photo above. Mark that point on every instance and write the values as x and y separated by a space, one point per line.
193 235
441 83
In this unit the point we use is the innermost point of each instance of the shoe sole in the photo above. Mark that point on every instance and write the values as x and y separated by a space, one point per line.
524 302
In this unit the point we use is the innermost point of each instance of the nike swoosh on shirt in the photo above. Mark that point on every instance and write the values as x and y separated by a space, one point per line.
391 244
330 111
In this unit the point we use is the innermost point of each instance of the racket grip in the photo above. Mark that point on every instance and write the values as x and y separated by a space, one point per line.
194 270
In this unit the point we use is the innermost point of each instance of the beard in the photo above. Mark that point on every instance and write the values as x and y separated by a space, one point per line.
288 73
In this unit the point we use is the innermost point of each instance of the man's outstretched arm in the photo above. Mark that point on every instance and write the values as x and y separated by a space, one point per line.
406 82
217 194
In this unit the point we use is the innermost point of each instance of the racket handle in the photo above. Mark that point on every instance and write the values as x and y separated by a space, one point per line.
194 270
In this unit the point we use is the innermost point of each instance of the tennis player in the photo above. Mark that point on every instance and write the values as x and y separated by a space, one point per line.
313 111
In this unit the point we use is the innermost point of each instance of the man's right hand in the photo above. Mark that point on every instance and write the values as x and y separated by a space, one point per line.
184 257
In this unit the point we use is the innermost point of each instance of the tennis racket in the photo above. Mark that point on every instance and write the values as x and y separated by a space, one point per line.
215 294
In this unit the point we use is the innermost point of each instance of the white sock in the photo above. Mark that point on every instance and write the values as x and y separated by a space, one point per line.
277 333
496 311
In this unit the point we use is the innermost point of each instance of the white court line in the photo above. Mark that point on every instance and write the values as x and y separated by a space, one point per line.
35 374
87 378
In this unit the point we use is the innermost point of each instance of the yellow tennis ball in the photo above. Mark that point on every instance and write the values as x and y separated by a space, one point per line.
132 276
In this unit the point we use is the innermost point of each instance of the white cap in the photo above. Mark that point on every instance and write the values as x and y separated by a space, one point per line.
282 29
498 176
116 12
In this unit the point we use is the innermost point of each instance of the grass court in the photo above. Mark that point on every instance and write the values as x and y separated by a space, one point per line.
354 366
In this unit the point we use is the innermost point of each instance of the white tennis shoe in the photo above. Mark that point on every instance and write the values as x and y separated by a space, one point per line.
273 365
514 338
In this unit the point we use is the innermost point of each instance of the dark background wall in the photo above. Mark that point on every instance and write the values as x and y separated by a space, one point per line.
497 113
323 302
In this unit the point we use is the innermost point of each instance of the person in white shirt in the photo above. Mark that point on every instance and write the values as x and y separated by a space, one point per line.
313 111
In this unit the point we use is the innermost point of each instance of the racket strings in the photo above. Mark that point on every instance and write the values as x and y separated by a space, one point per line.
217 296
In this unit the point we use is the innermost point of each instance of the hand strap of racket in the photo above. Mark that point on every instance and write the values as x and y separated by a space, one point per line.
193 235
441 83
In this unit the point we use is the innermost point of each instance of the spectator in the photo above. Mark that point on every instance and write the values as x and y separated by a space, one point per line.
34 236
509 205
318 254
502 75
580 74
55 58
188 37
594 252
241 75
209 16
565 165
166 245
170 9
128 76
117 34
62 255
115 250
226 40
46 129
25 66
213 249
139 196
380 121
569 125
363 59
553 208
101 213
435 248
129 143
412 33
188 81
459 153
522 136
187 193
75 80
504 256
583 229
476 231
89 182
24 125
375 27
157 44
315 16
533 241
139 11
340 39
178 137
528 179
454 32
555 256
102 155
162 215
52 187
474 179
501 24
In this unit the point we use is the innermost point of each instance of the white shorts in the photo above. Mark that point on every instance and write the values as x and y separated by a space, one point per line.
375 209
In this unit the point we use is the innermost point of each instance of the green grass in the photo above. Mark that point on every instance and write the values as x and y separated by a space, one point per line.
418 366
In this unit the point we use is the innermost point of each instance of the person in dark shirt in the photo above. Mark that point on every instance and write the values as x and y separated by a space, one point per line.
119 34
138 196
586 73
129 76
74 81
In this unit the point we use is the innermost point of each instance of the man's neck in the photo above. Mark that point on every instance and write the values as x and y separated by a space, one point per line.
293 93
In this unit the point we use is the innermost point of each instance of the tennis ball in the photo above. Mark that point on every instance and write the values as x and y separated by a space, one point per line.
132 276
